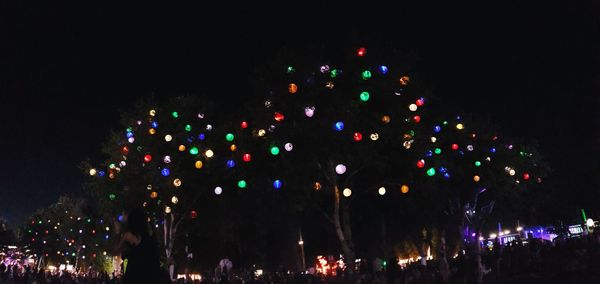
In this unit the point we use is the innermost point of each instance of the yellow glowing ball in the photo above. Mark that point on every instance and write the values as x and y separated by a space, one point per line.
198 164
460 126
512 172
347 192
433 139
93 172
292 88
168 138
209 153
412 107
404 188
381 190
167 209
261 132
233 147
317 186
181 148
476 178
174 200
152 112
153 194
385 119
404 80
152 131
374 136
177 182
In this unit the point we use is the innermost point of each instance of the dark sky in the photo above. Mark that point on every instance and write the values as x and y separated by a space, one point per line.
67 70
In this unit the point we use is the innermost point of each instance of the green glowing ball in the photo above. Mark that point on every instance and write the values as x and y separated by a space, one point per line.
477 163
431 172
188 128
366 75
175 114
364 96
438 151
274 150
229 137
242 183
194 151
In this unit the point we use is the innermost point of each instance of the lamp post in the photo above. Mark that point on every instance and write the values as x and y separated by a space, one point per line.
301 244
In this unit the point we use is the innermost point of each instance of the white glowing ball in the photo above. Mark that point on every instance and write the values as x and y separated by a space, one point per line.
168 138
122 164
347 192
288 146
93 172
381 190
218 190
131 140
107 228
177 182
374 136
309 111
174 200
209 153
152 112
167 209
433 139
590 222
340 169
460 126
167 159
209 127
511 172
412 107
470 147
261 132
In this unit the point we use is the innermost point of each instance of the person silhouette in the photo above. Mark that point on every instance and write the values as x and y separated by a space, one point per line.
140 249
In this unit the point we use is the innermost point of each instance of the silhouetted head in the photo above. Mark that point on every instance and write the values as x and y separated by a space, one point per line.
137 222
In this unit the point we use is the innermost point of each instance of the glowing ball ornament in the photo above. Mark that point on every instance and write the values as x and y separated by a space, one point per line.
381 191
194 151
274 150
112 196
152 112
383 69
364 96
512 172
431 172
218 190
420 163
230 163
233 148
167 159
404 188
93 172
460 126
168 138
242 183
177 182
437 151
347 192
175 114
147 158
268 104
167 209
246 157
290 70
374 136
278 116
477 163
361 51
455 147
288 146
165 172
209 153
152 131
131 139
404 80
292 88
261 132
357 136
244 124
200 115
194 214
309 111
201 136
493 150
437 129
420 102
385 119
526 176
324 69
125 150
181 148
470 147
417 118
365 75
412 107
277 184
476 178
229 137
174 200
188 128
339 126
340 169
446 175
198 164
317 186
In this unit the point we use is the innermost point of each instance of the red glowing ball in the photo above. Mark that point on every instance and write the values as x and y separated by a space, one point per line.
279 116
147 158
361 51
247 157
357 136
454 146
420 102
420 163
125 150
194 214
526 176
244 124
417 118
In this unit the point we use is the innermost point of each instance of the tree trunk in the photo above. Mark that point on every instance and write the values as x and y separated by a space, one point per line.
170 231
344 232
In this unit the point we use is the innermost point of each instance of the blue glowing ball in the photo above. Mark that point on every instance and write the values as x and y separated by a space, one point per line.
447 175
120 218
277 184
429 153
437 129
201 136
339 126
154 124
443 170
129 134
101 173
165 172
383 69
230 163
493 150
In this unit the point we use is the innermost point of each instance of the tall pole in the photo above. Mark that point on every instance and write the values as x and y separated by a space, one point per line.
301 244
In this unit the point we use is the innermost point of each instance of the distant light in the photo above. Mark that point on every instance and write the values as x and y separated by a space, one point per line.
381 191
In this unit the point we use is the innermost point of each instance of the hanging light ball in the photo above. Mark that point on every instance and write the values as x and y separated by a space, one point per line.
431 172
194 151
175 114
420 163
477 163
347 192
244 124
152 131
292 88
247 157
274 150
279 116
229 137
361 51
460 126
493 150
268 103
167 209
288 146
153 194
194 214
233 148
417 118
454 146
433 139
324 69
365 75
93 172
177 182
437 151
167 159
168 138
412 107
381 191
339 126
476 178
242 183
209 153
261 132
374 136
201 136
404 80
470 148
152 112
147 158
218 190
174 200
512 172
437 129
340 169
526 176
131 139
230 163
112 196
125 150
383 69
404 188
181 148
385 119
277 184
317 186
357 136
420 102
364 96
309 111
198 164
200 115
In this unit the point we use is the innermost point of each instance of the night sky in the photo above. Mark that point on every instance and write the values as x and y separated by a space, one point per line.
67 70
